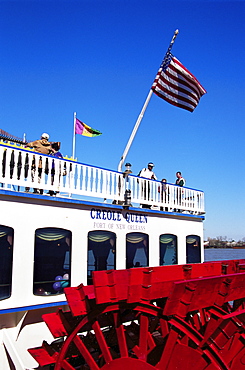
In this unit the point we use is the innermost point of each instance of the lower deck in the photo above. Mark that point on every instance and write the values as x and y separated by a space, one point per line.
48 244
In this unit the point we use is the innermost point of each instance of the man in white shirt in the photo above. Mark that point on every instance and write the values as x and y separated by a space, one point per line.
147 173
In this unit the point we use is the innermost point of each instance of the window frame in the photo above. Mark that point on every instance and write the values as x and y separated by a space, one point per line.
51 268
6 263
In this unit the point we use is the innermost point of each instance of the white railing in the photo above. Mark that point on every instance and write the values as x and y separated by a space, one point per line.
166 197
25 170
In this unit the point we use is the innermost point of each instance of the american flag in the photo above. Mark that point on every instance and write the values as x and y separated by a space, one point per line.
175 84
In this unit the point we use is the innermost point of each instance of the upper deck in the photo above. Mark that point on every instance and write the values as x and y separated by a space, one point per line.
25 170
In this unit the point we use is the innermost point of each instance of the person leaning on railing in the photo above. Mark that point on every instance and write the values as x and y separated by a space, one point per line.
42 146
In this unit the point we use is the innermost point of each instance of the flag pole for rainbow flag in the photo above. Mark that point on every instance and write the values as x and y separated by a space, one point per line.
74 135
136 126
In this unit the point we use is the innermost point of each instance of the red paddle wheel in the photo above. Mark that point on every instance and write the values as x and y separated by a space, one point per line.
167 318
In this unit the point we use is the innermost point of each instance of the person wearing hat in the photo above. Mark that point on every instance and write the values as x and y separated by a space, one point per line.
42 146
147 173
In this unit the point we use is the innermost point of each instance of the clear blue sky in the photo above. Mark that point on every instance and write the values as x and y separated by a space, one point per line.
99 59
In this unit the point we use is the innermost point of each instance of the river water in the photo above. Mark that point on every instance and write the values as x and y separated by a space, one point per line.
219 254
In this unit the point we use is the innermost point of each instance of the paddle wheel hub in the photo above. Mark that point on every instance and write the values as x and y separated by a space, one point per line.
166 318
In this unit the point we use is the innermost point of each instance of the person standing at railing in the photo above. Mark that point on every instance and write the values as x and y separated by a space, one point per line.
56 154
180 181
164 194
42 146
147 173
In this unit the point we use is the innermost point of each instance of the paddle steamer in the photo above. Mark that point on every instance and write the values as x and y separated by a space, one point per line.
109 272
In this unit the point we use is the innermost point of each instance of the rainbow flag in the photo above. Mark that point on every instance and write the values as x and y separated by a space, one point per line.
82 129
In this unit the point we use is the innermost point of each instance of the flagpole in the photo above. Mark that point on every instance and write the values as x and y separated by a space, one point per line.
136 126
74 135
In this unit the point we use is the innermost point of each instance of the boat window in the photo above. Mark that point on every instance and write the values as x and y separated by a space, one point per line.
6 260
52 261
168 249
101 251
137 250
193 249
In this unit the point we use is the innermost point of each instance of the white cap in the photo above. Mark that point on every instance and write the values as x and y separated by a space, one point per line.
45 136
